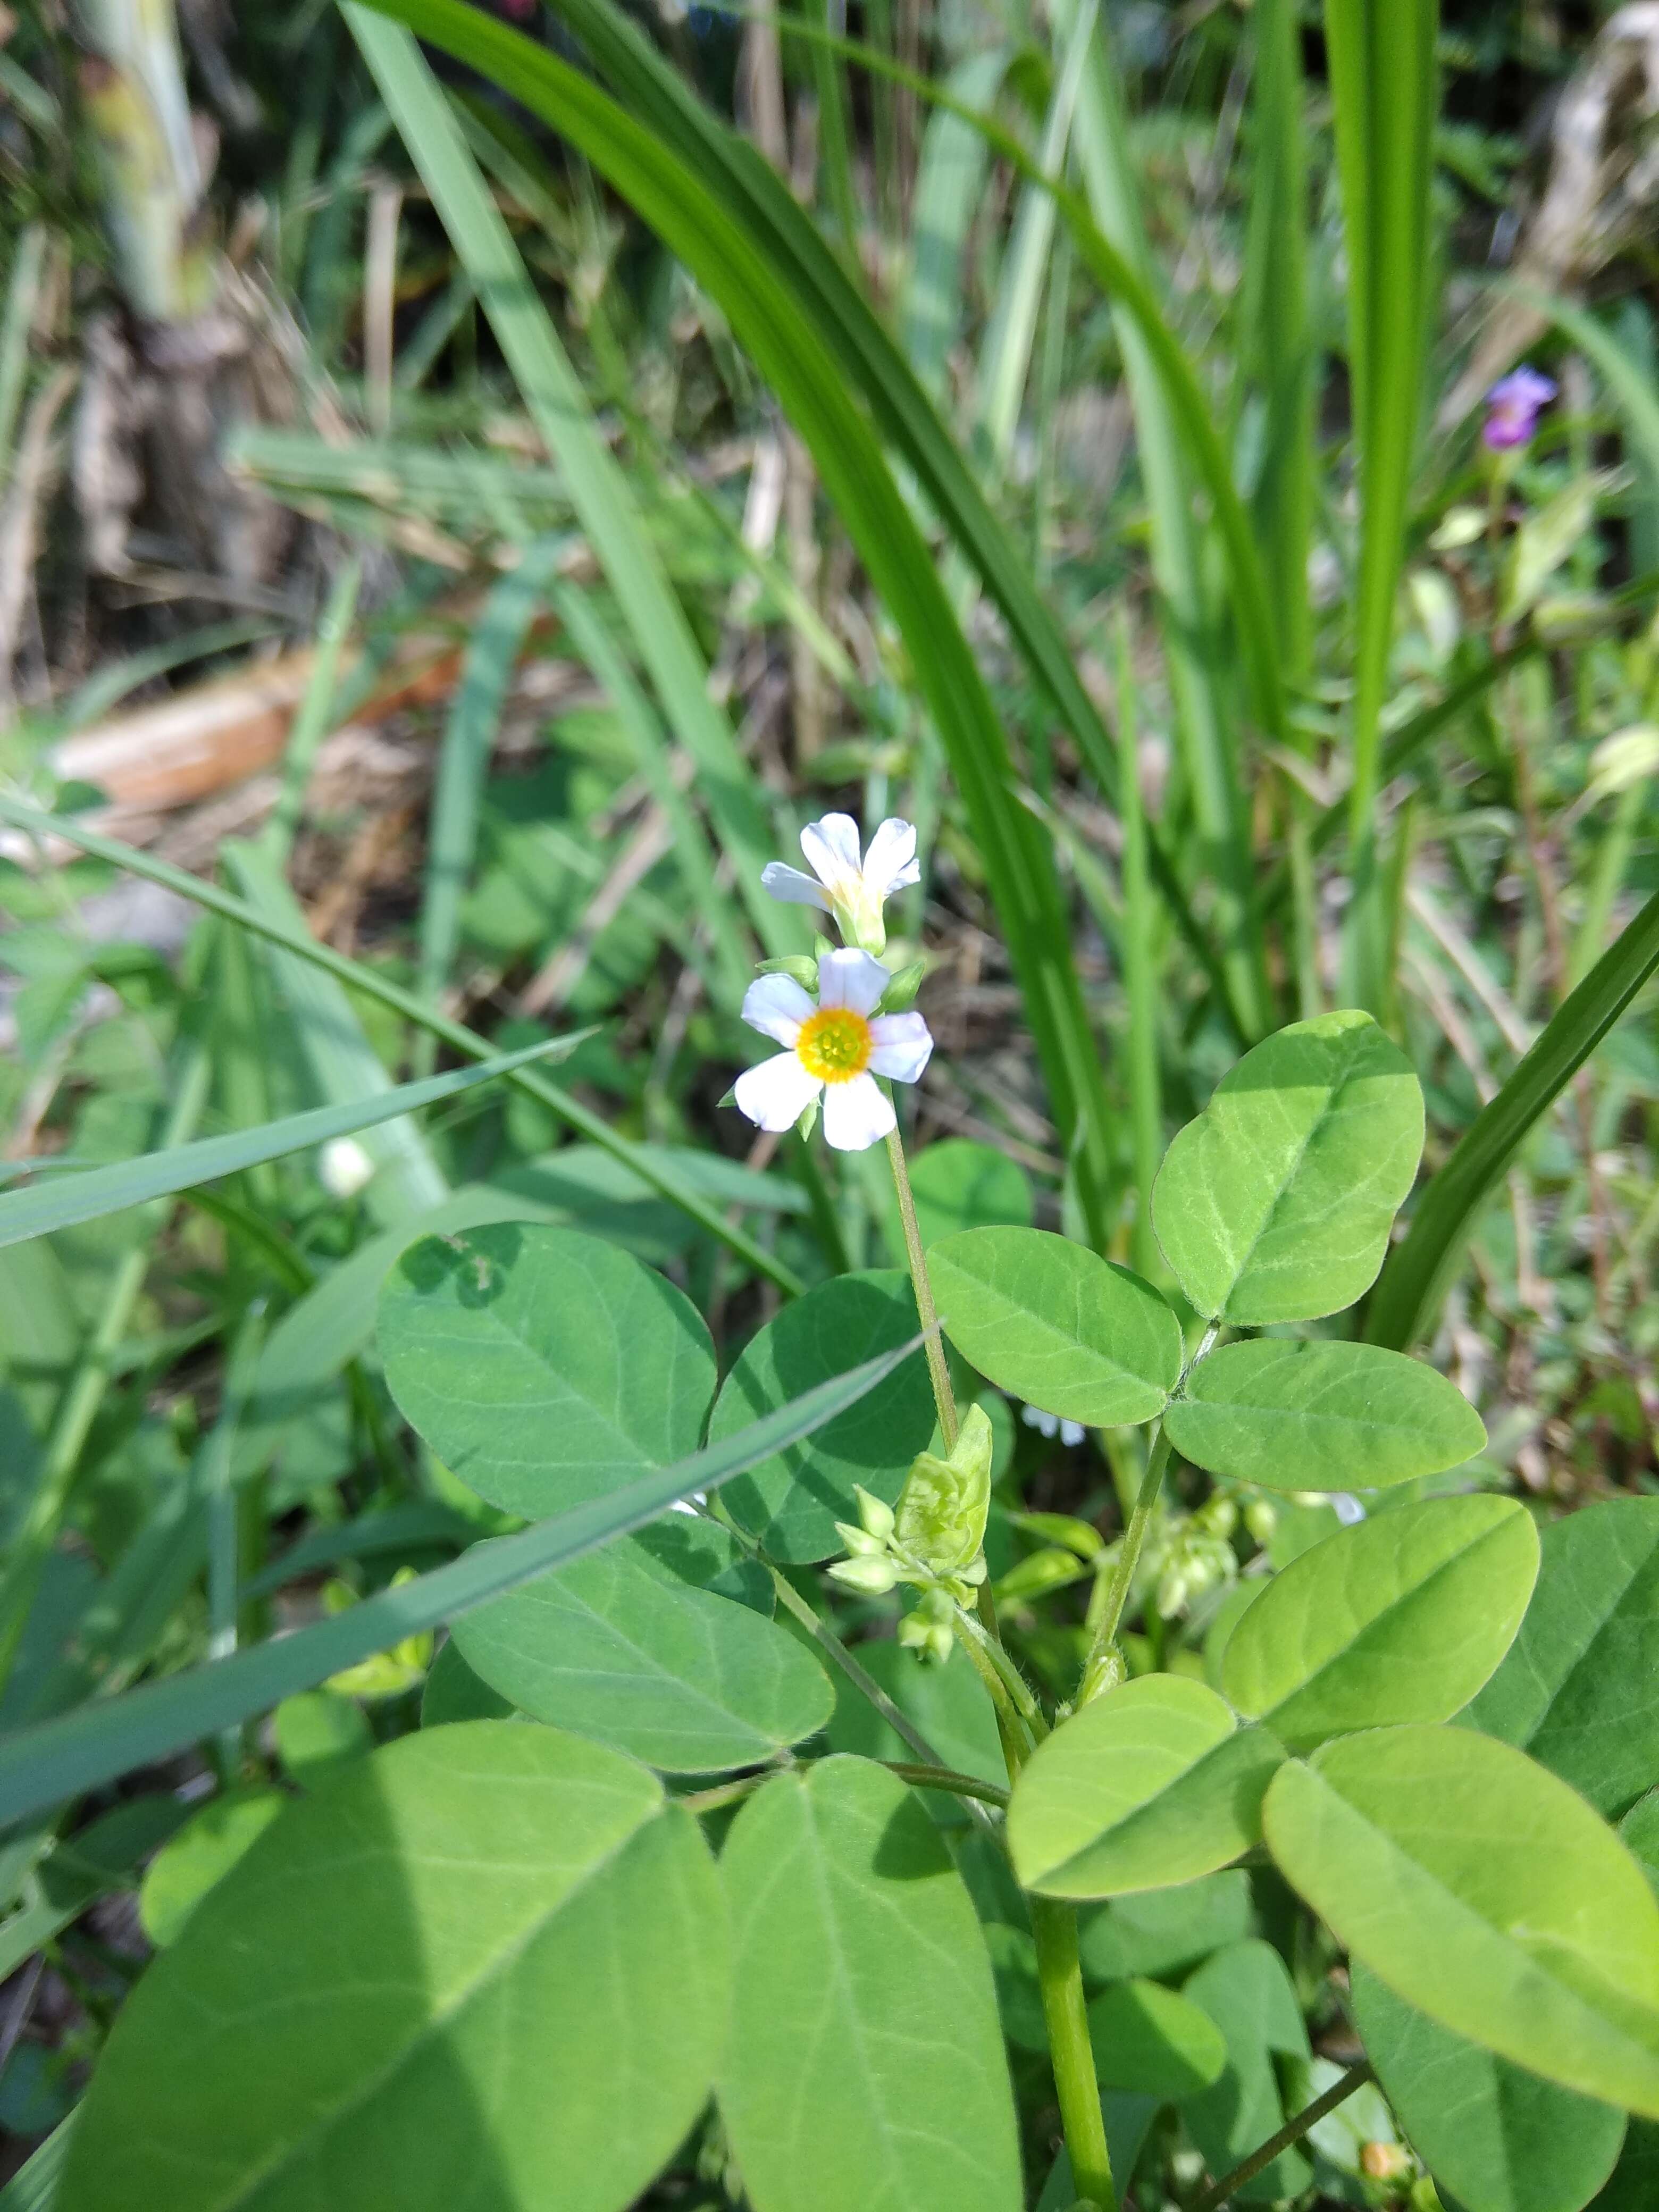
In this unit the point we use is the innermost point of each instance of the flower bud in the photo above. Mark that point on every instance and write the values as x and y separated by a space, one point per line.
1103 1672
901 993
944 1504
858 1541
872 1577
1261 1518
875 1513
344 1168
799 965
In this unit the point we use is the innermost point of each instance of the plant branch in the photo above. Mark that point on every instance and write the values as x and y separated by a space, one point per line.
1059 1977
1292 2131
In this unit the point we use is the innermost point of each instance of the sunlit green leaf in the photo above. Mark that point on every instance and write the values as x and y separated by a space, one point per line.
1056 1324
1580 1688
1401 1618
1151 2040
1497 2138
440 1977
793 1503
542 1366
623 1647
1321 1416
866 2064
1275 1204
1486 1893
1153 1783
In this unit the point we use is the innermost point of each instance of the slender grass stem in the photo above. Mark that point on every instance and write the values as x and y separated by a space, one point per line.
938 1373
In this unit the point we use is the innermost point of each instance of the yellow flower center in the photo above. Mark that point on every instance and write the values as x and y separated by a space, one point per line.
835 1044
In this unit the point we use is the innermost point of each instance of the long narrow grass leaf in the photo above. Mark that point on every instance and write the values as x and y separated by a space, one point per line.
60 1758
374 985
1408 1296
68 1200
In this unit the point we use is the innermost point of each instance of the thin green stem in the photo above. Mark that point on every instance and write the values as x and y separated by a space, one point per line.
938 1373
1003 1680
1134 1538
947 1777
1292 2131
1059 1977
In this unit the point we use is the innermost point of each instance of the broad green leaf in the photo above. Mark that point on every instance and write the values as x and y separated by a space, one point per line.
1580 1687
865 2069
1275 1204
1248 1992
67 1199
454 1692
793 1503
1161 1931
58 1758
1485 1892
1056 1324
1321 1416
1153 2042
957 1185
439 1981
1640 1831
1634 2186
1496 2138
202 1852
543 1367
317 1733
623 1647
1401 1618
1150 1784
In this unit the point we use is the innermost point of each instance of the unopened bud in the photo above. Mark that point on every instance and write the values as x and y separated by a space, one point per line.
871 1576
1103 1673
800 966
858 1541
1261 1518
875 1513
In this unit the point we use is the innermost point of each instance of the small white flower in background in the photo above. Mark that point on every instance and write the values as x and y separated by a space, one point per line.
1071 1433
343 1168
1347 1507
853 888
833 1050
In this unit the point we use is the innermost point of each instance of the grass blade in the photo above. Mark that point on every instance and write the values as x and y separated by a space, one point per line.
70 1199
598 489
1381 58
60 1758
1408 1296
1018 861
370 981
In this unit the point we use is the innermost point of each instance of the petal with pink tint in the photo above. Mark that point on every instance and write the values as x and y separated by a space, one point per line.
792 886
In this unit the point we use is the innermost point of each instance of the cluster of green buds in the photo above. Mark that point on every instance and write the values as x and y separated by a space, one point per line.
1195 1554
931 1540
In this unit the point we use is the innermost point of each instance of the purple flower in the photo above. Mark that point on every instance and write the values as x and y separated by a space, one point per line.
1513 406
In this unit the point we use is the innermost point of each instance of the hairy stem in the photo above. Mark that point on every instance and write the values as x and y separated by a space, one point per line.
938 1373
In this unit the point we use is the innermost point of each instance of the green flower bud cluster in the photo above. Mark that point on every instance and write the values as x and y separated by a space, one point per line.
932 1539
1193 1554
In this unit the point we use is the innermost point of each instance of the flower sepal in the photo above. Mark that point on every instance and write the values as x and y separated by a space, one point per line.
802 967
900 993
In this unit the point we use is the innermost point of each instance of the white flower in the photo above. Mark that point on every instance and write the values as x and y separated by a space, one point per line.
852 887
1049 1425
343 1168
1346 1508
835 1050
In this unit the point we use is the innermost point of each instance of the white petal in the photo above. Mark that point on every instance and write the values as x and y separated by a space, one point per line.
1347 1508
787 883
1071 1434
891 862
848 977
903 1045
776 1006
831 847
777 1093
856 1115
1046 1424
